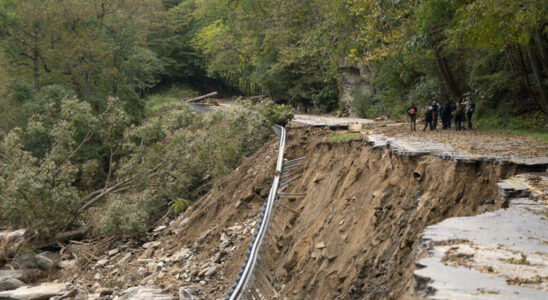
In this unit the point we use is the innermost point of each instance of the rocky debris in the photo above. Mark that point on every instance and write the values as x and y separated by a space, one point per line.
181 255
157 268
191 292
124 259
43 291
152 245
10 284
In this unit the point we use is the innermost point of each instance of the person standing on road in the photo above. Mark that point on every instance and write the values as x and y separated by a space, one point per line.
470 108
412 113
459 116
435 112
428 117
445 112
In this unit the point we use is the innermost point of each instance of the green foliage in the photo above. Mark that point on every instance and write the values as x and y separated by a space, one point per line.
168 96
179 205
279 114
327 99
172 157
363 104
343 137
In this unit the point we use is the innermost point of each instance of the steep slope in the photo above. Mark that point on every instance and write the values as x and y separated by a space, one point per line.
352 236
361 217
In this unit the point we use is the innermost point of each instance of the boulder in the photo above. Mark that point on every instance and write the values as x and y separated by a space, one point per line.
25 261
47 261
43 291
10 284
25 275
11 241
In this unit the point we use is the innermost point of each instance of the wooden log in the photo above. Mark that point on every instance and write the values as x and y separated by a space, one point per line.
201 97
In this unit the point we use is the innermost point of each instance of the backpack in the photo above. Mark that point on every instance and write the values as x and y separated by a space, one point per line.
460 109
412 111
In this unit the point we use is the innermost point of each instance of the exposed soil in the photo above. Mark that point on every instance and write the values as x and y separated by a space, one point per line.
352 236
362 215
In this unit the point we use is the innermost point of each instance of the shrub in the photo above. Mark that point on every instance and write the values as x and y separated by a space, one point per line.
279 114
362 104
326 99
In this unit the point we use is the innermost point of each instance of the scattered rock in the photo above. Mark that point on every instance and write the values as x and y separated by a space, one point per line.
145 293
113 252
10 284
212 270
102 262
67 264
25 261
180 255
151 245
43 291
46 260
22 275
124 259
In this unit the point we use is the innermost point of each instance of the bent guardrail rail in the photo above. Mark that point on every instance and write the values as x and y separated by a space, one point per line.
238 288
252 254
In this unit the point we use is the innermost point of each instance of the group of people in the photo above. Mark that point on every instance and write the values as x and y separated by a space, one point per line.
460 112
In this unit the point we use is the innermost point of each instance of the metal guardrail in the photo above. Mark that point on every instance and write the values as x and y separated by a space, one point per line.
252 254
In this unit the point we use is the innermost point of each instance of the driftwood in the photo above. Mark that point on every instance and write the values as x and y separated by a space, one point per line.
201 97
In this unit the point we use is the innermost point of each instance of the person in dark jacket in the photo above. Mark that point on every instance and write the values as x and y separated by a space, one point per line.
459 116
428 117
470 108
435 113
446 114
412 113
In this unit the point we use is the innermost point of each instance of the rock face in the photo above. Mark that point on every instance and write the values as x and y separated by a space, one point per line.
355 80
43 291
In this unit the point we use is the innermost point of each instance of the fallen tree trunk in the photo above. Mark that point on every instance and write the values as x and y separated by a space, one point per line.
201 97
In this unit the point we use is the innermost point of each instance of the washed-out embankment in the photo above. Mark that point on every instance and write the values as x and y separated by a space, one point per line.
350 232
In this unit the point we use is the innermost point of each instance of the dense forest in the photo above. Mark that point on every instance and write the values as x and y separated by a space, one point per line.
75 76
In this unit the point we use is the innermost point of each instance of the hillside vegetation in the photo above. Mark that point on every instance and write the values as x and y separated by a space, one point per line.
86 138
